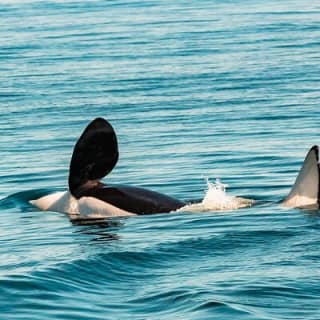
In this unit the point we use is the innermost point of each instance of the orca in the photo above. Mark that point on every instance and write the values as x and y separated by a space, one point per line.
96 154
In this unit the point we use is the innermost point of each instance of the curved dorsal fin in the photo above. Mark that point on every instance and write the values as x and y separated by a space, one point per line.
94 156
305 191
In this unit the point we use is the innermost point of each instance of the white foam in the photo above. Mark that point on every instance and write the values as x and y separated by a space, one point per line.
216 198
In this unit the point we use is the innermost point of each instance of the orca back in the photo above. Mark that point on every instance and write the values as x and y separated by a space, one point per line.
134 199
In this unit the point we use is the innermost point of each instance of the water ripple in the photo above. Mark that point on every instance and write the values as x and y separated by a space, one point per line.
194 89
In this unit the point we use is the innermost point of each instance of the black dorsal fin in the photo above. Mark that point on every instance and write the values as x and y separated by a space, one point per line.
94 156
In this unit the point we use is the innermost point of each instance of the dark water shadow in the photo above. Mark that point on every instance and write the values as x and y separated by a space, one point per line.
101 229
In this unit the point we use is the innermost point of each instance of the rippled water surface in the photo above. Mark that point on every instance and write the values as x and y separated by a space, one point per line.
194 89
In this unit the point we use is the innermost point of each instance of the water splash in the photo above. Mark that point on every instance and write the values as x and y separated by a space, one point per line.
216 198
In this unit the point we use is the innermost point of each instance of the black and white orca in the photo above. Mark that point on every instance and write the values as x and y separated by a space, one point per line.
96 154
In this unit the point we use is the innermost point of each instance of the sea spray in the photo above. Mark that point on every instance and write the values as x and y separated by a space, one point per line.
216 198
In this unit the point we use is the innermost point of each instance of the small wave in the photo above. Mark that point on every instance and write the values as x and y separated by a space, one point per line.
22 199
216 198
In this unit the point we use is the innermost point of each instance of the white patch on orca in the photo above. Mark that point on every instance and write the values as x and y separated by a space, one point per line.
216 198
87 207
305 191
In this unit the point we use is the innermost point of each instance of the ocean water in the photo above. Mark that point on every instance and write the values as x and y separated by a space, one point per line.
194 89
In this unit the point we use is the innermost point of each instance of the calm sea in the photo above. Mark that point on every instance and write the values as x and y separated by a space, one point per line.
194 89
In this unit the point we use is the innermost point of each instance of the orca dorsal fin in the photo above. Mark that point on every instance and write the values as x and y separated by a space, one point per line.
94 156
305 191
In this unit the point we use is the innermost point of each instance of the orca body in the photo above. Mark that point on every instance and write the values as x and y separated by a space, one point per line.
96 154
133 199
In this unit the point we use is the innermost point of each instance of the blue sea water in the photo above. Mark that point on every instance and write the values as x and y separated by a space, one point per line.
194 89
